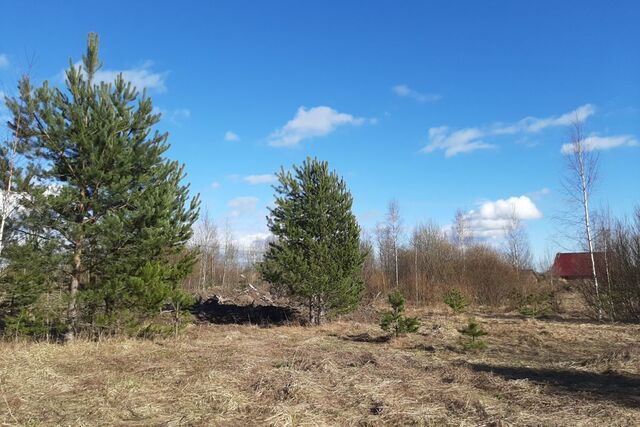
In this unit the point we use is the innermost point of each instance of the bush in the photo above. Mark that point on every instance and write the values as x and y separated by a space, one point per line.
473 332
395 320
536 305
456 301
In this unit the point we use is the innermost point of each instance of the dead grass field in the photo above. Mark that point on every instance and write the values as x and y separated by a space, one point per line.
534 372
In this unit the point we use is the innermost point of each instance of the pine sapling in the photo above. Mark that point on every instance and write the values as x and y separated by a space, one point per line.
395 321
473 332
536 305
456 301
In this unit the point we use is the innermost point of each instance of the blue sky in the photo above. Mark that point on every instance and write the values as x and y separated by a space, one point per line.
442 105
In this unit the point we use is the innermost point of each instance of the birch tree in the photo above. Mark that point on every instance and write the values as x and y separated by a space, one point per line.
580 177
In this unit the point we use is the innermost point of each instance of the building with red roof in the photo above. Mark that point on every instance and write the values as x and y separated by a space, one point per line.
577 265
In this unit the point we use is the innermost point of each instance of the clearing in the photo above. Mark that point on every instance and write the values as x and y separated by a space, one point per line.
534 372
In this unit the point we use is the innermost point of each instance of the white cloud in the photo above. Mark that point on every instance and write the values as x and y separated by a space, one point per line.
467 140
4 61
247 240
260 179
492 218
242 205
215 185
311 123
594 142
456 142
406 91
180 114
538 193
231 136
176 117
141 76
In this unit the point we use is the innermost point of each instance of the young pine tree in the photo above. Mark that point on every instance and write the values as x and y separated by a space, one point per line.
105 191
395 320
473 331
456 301
316 256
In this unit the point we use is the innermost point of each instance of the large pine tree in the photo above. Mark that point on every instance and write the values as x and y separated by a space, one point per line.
316 256
105 192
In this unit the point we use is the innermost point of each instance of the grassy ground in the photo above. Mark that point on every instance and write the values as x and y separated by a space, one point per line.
532 373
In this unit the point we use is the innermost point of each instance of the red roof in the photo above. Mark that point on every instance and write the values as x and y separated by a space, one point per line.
576 265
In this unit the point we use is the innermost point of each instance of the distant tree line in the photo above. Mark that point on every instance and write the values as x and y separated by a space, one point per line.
430 261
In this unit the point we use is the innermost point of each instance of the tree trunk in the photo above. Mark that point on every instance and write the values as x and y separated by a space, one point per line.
319 313
395 248
415 265
587 223
72 308
224 272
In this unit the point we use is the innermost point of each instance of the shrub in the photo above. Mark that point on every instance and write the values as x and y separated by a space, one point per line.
456 301
473 332
395 321
536 305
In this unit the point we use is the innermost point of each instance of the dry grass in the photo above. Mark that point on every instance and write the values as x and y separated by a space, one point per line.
533 373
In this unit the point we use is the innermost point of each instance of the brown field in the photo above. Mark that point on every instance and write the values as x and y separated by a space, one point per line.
534 372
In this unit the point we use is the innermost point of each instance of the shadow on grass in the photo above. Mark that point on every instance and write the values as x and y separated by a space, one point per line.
213 311
623 389
550 318
366 337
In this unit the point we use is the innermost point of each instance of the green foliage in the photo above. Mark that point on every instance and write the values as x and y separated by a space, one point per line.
395 320
536 305
115 207
473 332
456 301
31 302
316 257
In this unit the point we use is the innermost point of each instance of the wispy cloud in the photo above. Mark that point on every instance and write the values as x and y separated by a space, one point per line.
141 76
242 205
466 140
405 91
231 136
177 116
4 60
215 185
260 179
311 123
594 142
492 218
538 193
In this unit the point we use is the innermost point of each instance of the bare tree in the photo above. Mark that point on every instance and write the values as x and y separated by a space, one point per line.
230 252
517 248
460 232
581 174
207 241
388 234
385 253
394 224
368 268
461 235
